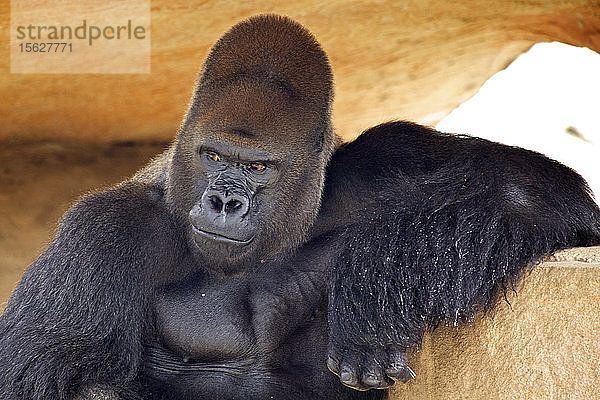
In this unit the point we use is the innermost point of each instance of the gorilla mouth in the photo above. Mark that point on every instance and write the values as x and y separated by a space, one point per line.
220 238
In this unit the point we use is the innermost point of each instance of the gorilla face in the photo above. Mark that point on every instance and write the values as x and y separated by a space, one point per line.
228 217
226 212
247 173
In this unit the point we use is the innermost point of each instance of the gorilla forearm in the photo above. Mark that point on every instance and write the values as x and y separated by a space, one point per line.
410 263
78 315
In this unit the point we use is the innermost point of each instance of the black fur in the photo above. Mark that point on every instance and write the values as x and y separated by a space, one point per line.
451 220
352 255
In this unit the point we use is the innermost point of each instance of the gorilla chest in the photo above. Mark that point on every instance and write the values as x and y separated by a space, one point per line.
206 320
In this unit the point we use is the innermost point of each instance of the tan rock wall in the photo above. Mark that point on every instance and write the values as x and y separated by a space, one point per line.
410 59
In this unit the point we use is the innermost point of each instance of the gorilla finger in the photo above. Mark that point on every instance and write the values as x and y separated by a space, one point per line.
333 365
398 368
349 376
374 378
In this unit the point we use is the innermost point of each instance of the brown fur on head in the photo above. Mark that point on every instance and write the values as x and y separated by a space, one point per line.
274 48
266 89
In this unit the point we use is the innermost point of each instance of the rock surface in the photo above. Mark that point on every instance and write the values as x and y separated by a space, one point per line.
413 60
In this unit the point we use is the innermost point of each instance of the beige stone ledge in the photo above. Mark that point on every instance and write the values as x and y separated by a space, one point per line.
545 344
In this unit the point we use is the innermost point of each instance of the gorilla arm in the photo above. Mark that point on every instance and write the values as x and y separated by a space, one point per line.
433 226
288 295
79 312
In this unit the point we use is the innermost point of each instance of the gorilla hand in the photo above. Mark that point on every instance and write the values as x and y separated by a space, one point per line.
363 369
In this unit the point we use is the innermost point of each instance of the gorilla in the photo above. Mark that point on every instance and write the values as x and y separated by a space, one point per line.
259 253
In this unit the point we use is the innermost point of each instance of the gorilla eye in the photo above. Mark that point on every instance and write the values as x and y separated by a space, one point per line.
257 167
212 156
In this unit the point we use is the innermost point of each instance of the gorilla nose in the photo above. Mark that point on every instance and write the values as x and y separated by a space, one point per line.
220 216
226 205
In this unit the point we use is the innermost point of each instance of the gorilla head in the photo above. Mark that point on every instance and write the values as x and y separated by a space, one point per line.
250 156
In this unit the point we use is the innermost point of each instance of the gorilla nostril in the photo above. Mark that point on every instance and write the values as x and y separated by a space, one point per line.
233 206
216 203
